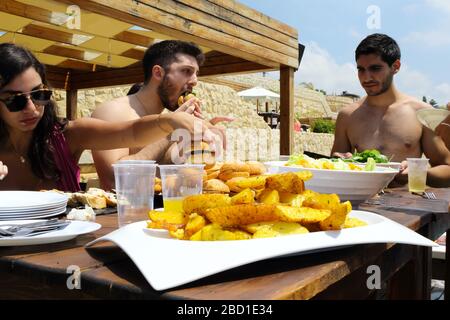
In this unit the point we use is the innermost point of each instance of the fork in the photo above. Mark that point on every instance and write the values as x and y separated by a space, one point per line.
426 195
430 195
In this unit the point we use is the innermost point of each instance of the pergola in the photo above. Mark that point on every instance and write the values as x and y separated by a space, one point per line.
98 43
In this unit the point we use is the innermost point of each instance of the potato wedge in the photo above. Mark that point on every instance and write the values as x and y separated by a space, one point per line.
244 197
301 215
227 175
337 218
269 196
214 232
294 200
201 202
238 215
353 223
257 182
195 223
232 184
292 182
172 217
277 229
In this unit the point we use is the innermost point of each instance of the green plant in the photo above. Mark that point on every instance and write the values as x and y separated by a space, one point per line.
323 126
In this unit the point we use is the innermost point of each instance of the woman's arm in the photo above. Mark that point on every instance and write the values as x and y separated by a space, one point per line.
88 133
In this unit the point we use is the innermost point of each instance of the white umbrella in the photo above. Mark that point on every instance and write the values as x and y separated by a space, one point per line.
258 93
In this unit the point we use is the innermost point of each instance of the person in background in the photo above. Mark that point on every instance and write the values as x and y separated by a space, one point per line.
386 119
42 151
170 70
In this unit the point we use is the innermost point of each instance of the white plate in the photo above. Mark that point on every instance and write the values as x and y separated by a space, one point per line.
32 216
74 229
167 262
33 209
31 212
431 118
16 200
347 184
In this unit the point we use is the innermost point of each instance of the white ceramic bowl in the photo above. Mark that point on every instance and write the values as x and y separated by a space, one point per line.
348 185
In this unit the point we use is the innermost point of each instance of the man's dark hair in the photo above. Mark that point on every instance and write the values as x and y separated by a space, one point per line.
165 53
379 44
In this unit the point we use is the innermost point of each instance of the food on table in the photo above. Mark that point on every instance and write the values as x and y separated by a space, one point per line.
85 214
185 97
362 157
264 206
158 185
94 197
304 161
200 153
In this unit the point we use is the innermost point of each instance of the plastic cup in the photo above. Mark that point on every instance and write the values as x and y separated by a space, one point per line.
417 174
134 189
179 181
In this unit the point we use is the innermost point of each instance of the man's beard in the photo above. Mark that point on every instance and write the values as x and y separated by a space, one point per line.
164 93
385 85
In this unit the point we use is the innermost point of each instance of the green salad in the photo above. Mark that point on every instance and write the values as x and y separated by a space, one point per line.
362 157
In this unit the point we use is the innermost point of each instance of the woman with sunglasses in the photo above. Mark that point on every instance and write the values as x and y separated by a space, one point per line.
41 151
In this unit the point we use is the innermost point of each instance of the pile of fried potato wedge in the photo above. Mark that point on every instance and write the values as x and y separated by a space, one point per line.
265 206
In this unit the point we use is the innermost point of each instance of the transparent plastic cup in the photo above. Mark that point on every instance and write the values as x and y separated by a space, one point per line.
179 181
134 189
417 174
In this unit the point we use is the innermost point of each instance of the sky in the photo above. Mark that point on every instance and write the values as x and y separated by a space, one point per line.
331 30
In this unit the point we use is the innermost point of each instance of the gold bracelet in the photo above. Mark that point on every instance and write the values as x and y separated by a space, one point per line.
159 125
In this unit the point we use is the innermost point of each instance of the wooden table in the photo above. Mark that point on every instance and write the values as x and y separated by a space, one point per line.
107 272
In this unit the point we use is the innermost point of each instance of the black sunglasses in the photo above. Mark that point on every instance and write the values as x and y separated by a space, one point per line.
17 102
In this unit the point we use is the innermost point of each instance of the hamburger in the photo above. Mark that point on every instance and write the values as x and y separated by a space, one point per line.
201 153
185 97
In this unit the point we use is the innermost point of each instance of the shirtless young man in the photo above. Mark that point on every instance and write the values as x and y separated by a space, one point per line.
386 118
170 69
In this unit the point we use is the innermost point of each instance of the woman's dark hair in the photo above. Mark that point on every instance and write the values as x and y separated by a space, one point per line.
379 44
165 52
13 61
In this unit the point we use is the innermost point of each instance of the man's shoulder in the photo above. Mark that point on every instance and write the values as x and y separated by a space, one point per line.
118 109
415 103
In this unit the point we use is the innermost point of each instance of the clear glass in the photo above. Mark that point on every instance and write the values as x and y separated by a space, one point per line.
417 174
179 181
134 189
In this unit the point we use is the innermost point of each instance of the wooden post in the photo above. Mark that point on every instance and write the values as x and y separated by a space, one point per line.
286 110
71 104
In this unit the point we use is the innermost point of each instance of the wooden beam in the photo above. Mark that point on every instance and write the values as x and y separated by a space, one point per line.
42 32
106 78
248 19
233 68
56 76
133 54
134 38
128 75
286 110
192 13
255 15
77 65
159 21
71 104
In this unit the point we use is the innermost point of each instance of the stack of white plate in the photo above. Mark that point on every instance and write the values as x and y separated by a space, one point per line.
19 205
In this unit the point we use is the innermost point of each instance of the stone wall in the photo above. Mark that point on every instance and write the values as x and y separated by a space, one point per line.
320 143
336 103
